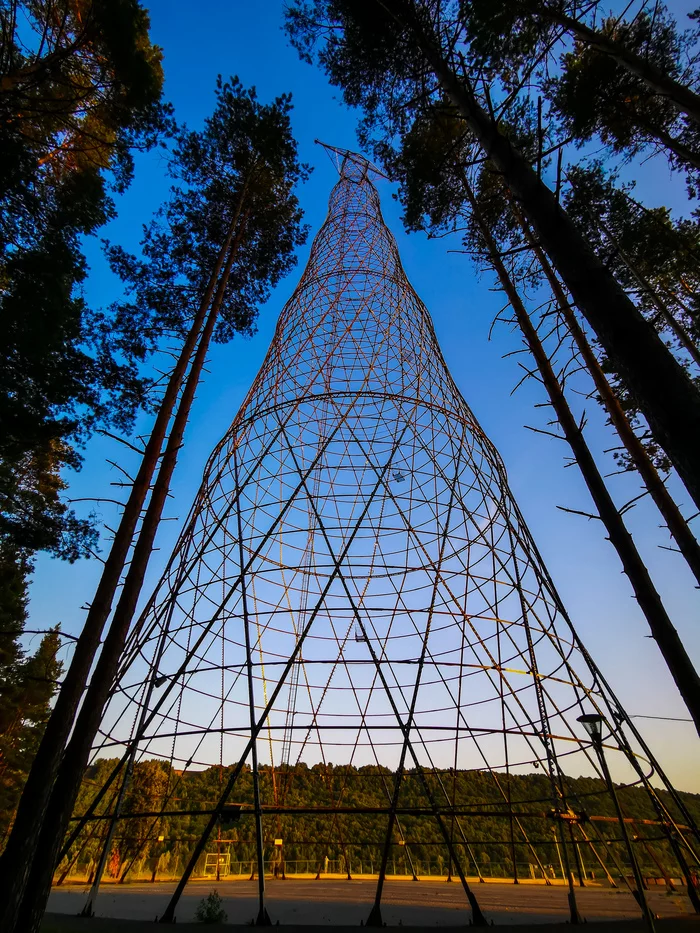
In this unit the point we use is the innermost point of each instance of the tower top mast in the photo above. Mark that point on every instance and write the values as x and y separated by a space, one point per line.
339 156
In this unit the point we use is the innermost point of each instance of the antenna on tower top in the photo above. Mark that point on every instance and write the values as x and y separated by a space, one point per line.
339 156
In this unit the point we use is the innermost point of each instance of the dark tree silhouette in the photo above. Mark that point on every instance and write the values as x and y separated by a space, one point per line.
80 88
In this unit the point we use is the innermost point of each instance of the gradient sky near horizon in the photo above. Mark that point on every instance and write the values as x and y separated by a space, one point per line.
246 40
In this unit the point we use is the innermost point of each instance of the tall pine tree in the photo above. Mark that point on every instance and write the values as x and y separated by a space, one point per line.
80 89
225 237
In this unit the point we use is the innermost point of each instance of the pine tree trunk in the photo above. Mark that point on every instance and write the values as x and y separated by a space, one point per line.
681 334
675 325
674 145
678 94
22 845
671 514
684 674
661 388
75 759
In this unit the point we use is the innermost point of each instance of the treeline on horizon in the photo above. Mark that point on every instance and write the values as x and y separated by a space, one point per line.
485 843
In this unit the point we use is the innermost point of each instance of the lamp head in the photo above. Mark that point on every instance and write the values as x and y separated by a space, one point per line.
593 724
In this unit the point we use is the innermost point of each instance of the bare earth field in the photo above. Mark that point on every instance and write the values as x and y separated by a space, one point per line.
341 903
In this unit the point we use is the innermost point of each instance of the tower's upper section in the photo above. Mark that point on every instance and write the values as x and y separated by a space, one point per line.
354 325
354 238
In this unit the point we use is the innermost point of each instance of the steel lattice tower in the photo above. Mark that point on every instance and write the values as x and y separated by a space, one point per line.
355 583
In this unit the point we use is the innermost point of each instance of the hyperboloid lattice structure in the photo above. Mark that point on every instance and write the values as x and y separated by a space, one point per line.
355 584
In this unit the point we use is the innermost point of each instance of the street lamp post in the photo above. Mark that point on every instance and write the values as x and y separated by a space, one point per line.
593 723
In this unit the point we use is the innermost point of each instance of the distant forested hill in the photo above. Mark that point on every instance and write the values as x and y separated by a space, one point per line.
477 818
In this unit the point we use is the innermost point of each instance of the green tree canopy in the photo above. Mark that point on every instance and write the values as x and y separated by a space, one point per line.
645 246
629 82
358 837
80 88
244 160
27 684
596 97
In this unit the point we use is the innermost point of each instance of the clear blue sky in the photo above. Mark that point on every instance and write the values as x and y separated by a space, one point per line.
220 36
